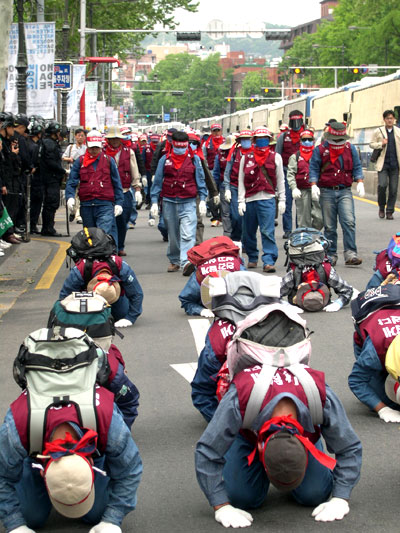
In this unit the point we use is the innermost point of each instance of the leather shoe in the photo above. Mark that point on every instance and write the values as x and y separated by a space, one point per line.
173 268
389 216
354 261
188 269
269 268
35 230
122 253
50 233
381 213
252 264
11 239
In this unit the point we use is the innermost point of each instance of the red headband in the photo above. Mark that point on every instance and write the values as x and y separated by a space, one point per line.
180 144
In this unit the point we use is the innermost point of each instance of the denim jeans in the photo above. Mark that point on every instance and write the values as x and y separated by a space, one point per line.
287 215
225 214
340 204
35 503
388 176
247 486
236 219
181 221
100 216
123 219
260 213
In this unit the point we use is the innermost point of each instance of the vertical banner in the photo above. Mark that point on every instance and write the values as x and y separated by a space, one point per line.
91 104
40 46
101 114
109 115
74 96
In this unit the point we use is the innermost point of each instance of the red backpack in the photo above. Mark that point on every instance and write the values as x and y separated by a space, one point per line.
212 248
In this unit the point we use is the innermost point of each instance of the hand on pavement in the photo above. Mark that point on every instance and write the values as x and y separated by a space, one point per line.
360 189
144 181
315 192
22 529
202 208
296 193
118 210
105 527
154 210
354 294
123 323
334 306
387 414
228 195
71 205
242 208
281 207
138 197
230 516
207 313
335 509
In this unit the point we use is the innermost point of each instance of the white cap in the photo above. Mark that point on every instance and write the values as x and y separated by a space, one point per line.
94 138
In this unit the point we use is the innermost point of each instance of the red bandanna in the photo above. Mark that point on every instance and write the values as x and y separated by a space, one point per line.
198 152
178 160
295 135
261 154
217 141
60 447
127 142
89 159
335 152
306 152
112 152
277 423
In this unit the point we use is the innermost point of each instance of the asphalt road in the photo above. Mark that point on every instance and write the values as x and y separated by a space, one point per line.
166 431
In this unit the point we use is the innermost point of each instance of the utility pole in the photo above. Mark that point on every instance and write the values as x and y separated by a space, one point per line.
22 63
82 48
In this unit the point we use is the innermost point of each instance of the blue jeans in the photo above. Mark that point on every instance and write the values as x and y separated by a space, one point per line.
123 219
181 220
260 213
340 204
120 308
225 213
236 219
247 486
287 215
35 503
100 216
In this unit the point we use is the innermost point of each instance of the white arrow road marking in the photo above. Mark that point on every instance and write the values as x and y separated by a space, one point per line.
199 327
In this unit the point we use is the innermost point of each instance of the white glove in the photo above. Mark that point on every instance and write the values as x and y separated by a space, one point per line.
154 210
230 516
355 293
228 195
242 210
335 509
123 323
71 205
217 199
281 207
389 415
22 529
138 197
151 222
360 189
315 192
118 210
207 313
296 193
334 306
202 208
105 527
144 181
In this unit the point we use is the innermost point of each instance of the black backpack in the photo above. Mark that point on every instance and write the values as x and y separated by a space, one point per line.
91 243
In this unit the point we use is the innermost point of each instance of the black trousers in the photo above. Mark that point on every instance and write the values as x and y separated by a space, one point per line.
51 202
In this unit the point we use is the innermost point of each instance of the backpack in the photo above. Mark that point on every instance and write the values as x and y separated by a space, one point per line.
59 366
274 336
306 255
211 248
373 299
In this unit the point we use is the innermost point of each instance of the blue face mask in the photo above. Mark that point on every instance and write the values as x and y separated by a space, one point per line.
262 142
307 143
245 143
127 137
179 151
193 146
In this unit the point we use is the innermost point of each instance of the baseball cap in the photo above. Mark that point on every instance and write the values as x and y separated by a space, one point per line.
94 138
262 132
312 296
216 127
104 284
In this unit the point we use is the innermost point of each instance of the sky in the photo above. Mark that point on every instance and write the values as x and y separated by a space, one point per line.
290 12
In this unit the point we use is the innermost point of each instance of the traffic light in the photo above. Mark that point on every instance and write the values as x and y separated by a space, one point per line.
354 70
177 93
228 99
147 116
188 36
147 93
266 90
297 91
252 99
299 70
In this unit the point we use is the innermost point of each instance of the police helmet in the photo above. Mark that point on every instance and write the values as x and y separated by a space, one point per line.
6 119
52 126
21 120
35 127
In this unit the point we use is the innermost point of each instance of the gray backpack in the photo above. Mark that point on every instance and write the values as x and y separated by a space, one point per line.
59 366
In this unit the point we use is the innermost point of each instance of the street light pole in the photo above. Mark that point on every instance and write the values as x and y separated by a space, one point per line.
22 63
64 94
82 51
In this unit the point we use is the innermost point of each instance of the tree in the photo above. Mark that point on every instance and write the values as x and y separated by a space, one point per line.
252 88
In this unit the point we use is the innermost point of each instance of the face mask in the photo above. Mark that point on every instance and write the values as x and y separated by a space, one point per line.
179 151
245 143
262 142
127 137
338 142
193 146
307 143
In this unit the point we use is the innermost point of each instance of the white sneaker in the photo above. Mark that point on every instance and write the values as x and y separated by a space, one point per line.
1 253
4 245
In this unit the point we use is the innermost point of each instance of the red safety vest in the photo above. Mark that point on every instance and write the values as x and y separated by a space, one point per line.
96 184
254 179
333 175
181 182
124 167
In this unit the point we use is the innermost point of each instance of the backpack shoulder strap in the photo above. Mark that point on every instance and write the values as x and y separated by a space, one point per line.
311 391
321 273
87 271
297 155
258 394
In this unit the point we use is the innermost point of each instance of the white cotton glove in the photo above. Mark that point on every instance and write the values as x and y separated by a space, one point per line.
202 208
315 192
228 196
154 210
138 197
144 181
354 294
207 313
151 222
334 306
22 529
296 193
335 509
71 205
217 199
281 207
389 415
230 516
118 210
242 208
123 323
105 527
360 189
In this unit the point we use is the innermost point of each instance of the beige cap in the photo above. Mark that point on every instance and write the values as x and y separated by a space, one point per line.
101 284
114 132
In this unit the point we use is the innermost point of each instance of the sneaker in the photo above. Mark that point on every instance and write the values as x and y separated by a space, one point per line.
79 220
188 269
173 268
4 245
353 261
1 253
286 235
269 268
215 223
252 264
122 253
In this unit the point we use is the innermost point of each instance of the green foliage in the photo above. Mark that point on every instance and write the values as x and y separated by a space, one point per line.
251 87
202 82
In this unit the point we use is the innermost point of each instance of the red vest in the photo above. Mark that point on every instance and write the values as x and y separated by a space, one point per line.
56 416
302 173
235 168
288 148
220 333
99 265
333 174
96 184
222 158
179 182
382 327
124 167
211 152
114 357
283 382
148 156
254 179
